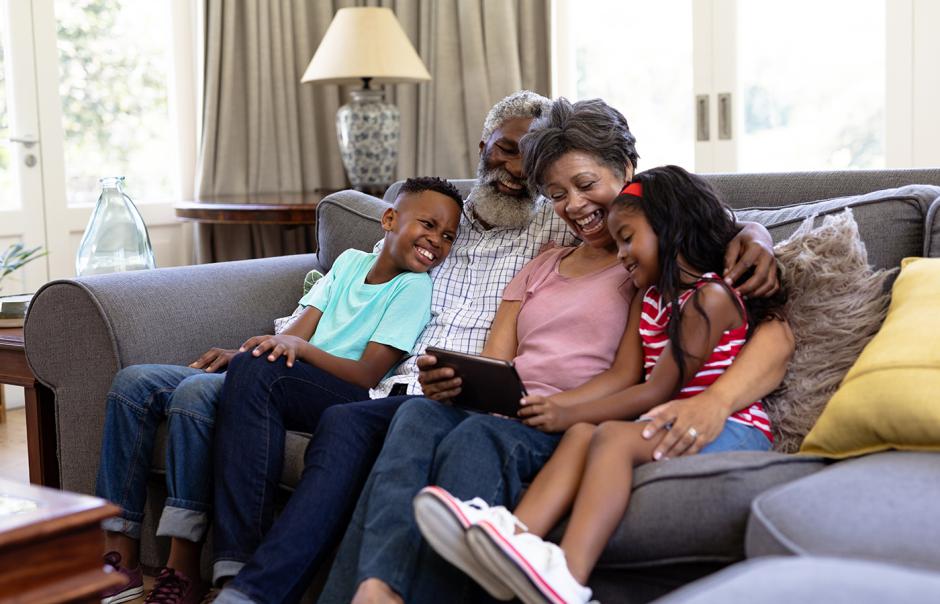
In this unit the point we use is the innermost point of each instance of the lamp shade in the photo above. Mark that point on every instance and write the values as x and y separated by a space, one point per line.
365 43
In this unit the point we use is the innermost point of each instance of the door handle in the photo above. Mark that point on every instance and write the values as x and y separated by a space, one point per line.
27 141
724 116
701 118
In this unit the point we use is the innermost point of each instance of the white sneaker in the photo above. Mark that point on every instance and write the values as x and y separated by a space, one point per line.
536 570
444 520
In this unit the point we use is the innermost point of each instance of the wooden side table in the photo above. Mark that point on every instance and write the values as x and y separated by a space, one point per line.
51 544
40 409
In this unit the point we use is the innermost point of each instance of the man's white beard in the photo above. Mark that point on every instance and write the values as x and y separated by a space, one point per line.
494 207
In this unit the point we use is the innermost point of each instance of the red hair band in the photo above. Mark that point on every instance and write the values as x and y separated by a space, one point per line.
633 188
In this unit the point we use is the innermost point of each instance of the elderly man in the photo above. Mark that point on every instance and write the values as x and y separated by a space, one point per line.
503 229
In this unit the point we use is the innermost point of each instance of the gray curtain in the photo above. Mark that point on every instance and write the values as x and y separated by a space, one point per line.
265 132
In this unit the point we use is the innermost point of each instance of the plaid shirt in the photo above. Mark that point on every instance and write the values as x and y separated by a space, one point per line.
468 286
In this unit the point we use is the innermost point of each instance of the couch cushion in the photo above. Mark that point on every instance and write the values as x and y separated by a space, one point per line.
347 219
810 579
889 399
694 509
932 235
881 507
891 222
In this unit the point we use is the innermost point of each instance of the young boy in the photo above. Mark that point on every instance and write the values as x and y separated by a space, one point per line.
368 311
360 320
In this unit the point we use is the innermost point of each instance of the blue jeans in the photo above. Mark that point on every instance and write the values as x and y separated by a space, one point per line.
469 454
275 561
141 397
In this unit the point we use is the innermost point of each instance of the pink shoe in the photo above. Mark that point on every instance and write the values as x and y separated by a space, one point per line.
443 520
132 589
535 570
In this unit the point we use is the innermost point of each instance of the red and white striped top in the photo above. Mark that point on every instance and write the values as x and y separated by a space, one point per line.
653 322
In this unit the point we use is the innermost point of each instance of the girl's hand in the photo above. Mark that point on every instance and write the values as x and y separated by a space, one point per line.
213 359
280 345
542 413
437 383
689 424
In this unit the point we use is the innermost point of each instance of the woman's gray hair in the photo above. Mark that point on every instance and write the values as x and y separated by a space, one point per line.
591 126
522 104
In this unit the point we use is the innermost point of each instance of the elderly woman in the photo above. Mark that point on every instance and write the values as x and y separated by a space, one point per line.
580 156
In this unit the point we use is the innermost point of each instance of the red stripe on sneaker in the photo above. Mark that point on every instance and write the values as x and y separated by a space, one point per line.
520 560
448 500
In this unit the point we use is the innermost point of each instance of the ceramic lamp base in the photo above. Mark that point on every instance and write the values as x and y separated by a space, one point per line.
368 130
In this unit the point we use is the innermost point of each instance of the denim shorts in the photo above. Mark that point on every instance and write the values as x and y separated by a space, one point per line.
738 437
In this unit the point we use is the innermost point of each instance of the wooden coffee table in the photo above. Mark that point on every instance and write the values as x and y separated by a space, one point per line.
51 545
40 408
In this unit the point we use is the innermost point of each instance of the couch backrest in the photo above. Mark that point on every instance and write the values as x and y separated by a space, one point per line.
773 189
894 214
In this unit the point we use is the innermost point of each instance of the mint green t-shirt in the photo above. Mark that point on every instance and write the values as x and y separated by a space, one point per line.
356 313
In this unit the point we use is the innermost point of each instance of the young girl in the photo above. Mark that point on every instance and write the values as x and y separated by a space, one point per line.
671 232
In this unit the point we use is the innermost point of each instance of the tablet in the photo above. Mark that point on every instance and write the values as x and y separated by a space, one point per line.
488 385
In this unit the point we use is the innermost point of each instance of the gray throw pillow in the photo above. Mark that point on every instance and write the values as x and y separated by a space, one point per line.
836 304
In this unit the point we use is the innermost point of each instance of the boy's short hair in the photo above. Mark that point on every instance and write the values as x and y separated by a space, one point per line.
432 183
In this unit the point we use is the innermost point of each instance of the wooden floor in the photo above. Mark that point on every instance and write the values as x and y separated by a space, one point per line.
14 465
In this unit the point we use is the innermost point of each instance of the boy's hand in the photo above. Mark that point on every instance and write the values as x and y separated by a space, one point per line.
214 359
279 345
437 384
543 413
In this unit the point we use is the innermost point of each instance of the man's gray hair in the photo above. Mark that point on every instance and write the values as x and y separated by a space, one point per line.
524 104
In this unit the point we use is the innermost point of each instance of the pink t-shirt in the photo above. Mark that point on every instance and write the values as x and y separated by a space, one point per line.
569 328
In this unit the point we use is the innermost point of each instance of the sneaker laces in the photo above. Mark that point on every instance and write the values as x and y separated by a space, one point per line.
169 587
500 517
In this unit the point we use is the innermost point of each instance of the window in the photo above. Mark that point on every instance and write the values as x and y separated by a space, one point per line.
114 59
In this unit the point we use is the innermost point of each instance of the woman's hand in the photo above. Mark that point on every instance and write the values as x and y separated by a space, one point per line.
213 359
543 413
279 345
437 383
753 248
689 424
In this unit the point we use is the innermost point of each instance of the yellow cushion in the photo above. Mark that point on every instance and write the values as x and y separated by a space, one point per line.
890 399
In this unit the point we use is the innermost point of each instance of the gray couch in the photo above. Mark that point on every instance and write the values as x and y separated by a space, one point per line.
689 517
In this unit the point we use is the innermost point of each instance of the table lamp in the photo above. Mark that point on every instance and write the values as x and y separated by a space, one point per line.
366 44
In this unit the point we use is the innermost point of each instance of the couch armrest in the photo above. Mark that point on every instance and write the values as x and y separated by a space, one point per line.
80 332
347 219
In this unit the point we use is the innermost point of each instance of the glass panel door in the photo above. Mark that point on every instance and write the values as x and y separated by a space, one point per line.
811 85
637 56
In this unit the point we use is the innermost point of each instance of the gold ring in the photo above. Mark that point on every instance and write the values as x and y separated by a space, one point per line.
693 433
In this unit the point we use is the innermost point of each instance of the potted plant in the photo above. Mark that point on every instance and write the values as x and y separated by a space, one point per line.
13 308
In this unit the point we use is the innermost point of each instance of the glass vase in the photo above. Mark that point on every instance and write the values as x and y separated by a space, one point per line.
116 237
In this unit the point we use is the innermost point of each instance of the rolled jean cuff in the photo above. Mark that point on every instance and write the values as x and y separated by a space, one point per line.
222 569
116 524
183 523
230 595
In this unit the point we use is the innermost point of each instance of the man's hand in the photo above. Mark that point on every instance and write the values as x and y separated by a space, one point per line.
437 383
543 413
751 248
214 359
689 424
279 345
